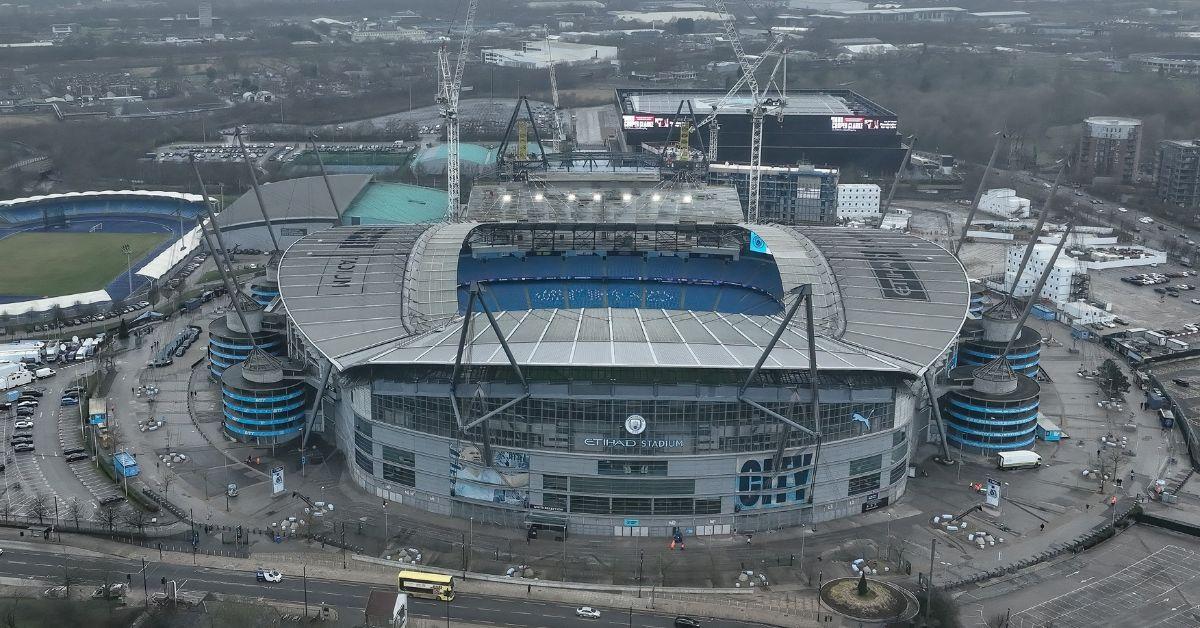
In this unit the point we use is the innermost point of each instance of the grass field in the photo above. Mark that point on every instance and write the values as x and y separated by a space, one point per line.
54 264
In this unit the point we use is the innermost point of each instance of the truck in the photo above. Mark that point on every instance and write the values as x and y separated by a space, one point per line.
13 376
191 304
1020 459
43 373
1166 418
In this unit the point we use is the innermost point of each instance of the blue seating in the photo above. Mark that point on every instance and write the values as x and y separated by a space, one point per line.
749 285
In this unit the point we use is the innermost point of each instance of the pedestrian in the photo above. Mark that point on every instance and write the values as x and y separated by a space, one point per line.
1043 527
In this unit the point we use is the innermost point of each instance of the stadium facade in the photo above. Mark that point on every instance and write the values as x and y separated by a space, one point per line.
827 128
591 366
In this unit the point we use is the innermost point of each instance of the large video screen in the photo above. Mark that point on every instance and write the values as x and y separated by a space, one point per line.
860 123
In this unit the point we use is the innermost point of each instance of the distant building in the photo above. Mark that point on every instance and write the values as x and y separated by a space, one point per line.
1004 202
1173 63
540 54
1177 173
787 194
205 15
1110 150
913 14
399 34
63 30
857 200
999 17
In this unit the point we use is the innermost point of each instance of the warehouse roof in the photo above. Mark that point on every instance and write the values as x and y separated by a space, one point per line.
805 102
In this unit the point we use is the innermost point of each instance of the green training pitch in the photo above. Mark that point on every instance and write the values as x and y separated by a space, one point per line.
53 264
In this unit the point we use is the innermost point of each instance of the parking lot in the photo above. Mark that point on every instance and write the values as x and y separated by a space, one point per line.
1143 577
1140 305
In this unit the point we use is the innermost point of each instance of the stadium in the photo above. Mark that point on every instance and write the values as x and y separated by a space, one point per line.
835 128
68 250
586 357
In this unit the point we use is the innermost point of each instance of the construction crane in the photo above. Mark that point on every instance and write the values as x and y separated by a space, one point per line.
449 87
711 119
559 134
757 111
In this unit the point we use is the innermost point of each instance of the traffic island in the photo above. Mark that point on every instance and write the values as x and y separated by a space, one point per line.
870 602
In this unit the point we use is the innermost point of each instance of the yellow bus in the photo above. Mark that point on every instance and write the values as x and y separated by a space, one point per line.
434 586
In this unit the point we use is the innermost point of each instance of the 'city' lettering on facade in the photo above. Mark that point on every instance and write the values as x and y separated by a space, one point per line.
771 489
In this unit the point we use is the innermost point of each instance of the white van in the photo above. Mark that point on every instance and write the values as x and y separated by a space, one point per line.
1020 459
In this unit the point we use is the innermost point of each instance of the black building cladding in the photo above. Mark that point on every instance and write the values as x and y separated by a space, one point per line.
837 128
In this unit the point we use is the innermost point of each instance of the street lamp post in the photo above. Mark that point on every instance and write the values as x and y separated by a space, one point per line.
128 251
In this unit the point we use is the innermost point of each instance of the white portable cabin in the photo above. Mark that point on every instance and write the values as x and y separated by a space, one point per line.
1019 459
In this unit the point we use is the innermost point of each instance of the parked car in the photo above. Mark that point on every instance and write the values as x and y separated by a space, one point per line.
77 457
73 450
31 393
23 447
1181 382
23 425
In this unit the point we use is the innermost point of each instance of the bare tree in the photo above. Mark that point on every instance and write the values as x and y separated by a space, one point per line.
74 510
39 508
108 515
5 509
137 518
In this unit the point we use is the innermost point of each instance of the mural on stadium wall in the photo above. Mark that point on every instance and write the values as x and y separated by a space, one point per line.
505 482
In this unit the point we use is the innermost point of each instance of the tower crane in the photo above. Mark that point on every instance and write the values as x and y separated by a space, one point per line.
711 119
449 87
559 133
757 111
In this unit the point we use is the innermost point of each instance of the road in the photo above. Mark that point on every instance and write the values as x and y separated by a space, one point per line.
23 562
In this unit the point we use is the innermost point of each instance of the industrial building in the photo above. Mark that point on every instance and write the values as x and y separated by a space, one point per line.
1005 203
1109 151
610 375
1177 173
541 54
826 128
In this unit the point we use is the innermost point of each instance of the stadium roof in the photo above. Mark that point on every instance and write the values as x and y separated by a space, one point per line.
807 102
392 203
602 202
387 295
305 198
190 198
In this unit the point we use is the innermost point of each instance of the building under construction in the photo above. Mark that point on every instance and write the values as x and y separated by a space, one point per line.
829 128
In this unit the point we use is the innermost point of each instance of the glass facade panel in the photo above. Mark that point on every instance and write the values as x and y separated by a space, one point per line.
674 426
557 501
898 471
607 486
399 475
555 483
398 456
362 426
864 465
364 462
363 444
864 484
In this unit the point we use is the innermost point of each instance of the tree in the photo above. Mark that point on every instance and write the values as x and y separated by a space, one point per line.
38 507
108 515
942 613
137 518
685 26
862 584
74 510
1111 379
123 330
